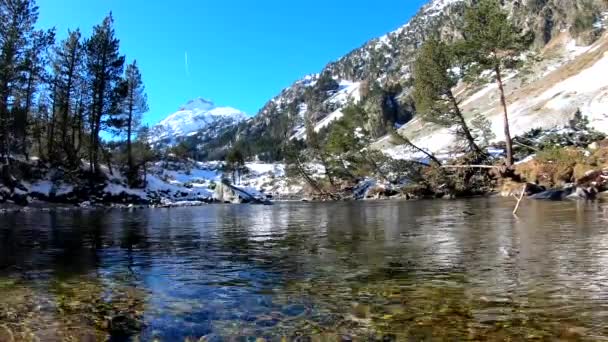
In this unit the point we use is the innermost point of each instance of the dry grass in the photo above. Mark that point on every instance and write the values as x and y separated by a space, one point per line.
566 71
556 167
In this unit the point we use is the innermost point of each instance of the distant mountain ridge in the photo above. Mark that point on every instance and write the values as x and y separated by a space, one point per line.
191 118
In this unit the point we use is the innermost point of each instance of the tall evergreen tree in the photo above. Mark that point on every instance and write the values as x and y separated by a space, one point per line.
490 42
68 67
144 154
32 74
134 104
348 141
433 83
235 164
104 68
17 21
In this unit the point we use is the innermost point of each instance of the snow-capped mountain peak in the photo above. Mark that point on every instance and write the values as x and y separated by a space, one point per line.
198 104
192 117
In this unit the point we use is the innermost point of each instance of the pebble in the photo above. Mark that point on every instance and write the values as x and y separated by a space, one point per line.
6 335
267 322
294 310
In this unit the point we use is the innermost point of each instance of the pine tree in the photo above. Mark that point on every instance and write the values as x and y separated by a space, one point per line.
17 22
348 141
235 164
32 74
143 152
433 83
491 41
400 139
68 68
40 121
134 104
298 164
104 68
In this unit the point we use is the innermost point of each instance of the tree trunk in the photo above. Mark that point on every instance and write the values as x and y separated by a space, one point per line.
309 179
98 115
28 105
374 165
503 102
145 167
79 128
39 138
463 124
92 146
96 143
129 131
4 125
328 172
51 137
66 106
419 149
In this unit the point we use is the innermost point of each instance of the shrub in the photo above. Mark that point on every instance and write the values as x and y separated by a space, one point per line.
583 22
554 166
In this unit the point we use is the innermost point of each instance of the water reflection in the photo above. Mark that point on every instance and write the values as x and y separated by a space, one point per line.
392 270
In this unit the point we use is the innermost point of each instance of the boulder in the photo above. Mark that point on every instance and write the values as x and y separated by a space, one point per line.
569 192
580 193
551 195
224 192
20 197
5 193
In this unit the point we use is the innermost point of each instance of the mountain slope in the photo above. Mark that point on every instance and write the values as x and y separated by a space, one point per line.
546 95
381 71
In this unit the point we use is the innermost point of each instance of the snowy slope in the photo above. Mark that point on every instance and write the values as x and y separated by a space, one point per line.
195 115
348 92
545 97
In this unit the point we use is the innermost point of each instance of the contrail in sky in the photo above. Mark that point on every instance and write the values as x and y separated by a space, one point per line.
186 64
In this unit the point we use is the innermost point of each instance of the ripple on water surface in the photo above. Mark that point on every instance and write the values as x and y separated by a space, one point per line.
428 270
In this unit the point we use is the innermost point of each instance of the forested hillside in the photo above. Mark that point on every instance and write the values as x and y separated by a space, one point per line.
66 101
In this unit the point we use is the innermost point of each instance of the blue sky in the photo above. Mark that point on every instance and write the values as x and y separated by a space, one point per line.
240 52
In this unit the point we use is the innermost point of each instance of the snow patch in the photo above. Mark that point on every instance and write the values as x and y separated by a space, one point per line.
42 187
192 117
435 7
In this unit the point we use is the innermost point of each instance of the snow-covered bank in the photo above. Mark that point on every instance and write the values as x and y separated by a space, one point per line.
167 184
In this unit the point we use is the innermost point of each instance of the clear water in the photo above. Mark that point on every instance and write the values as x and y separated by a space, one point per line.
427 270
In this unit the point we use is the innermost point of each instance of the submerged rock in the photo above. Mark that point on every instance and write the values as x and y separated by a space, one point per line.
551 195
124 326
294 310
267 322
6 335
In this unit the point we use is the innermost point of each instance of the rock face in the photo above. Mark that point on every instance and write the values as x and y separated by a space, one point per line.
227 193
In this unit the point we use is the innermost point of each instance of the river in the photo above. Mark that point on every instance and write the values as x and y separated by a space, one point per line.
383 270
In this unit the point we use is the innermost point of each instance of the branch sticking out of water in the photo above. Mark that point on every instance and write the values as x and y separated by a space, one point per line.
521 196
